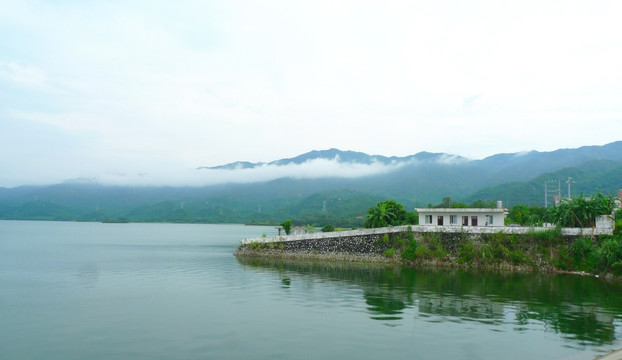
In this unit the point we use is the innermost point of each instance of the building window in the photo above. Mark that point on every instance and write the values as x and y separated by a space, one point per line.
473 220
439 220
428 219
489 219
465 221
453 219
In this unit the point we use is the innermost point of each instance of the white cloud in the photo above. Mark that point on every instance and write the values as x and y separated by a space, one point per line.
312 169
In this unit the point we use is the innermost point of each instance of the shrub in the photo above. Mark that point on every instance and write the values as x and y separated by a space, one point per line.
436 248
255 246
287 226
401 240
617 268
410 253
547 236
517 257
581 249
611 252
422 252
389 253
467 253
328 228
563 260
487 254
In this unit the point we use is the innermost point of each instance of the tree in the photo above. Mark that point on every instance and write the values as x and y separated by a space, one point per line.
580 211
287 226
411 218
458 205
519 214
385 213
484 204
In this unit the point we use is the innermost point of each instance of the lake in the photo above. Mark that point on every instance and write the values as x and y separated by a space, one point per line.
167 291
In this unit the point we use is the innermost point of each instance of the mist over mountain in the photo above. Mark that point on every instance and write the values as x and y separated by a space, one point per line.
323 186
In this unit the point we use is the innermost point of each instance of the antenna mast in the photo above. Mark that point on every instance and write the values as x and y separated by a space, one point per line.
551 188
569 181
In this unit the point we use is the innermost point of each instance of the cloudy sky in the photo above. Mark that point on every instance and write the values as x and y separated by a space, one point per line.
153 89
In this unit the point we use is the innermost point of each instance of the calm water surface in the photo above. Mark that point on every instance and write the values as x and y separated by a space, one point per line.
161 291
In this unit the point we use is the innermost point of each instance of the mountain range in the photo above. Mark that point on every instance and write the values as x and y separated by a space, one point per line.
326 186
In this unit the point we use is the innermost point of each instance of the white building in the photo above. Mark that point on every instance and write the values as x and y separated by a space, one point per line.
462 216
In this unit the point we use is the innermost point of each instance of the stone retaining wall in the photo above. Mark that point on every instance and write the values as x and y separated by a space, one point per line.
603 229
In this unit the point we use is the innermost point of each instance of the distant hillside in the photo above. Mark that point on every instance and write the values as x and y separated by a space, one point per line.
414 180
597 175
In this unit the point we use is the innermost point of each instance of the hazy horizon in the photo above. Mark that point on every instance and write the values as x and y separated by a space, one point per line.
310 169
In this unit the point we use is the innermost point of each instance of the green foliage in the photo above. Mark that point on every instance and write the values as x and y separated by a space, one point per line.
563 260
435 247
385 239
580 211
328 228
410 252
255 246
411 218
385 213
481 204
596 257
519 214
611 252
287 226
389 253
581 250
467 253
459 205
549 236
448 203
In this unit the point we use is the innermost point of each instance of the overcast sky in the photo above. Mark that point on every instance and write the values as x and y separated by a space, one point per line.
153 89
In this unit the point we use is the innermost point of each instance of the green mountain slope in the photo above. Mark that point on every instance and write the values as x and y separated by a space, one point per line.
602 175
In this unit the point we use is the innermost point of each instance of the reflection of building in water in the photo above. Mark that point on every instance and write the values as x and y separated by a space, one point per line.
593 311
469 307
384 306
561 305
386 303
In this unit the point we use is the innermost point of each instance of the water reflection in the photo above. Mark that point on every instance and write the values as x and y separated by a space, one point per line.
582 310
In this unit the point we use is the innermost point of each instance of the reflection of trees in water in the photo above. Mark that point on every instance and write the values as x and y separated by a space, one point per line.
383 307
581 309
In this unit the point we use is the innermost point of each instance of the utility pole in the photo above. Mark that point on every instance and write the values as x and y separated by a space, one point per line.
569 181
551 188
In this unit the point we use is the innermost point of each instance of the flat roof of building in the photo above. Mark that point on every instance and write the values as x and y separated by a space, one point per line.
460 210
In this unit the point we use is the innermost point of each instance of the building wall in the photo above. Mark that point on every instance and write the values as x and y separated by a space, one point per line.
482 219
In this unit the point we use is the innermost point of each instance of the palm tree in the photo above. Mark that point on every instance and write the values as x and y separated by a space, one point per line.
580 211
380 215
